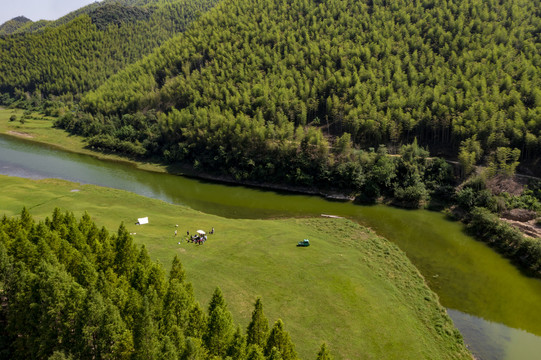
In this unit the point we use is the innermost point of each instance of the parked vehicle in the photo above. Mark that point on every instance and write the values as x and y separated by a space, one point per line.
304 243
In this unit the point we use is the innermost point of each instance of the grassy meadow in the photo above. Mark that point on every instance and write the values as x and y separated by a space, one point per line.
350 288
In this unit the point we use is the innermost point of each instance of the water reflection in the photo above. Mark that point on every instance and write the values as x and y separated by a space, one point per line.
492 341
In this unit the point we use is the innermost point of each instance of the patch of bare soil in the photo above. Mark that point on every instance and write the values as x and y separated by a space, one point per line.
528 228
21 134
511 185
519 215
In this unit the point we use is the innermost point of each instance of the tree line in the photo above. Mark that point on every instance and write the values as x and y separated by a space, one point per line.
70 290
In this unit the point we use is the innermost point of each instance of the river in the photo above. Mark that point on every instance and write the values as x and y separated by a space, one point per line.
496 308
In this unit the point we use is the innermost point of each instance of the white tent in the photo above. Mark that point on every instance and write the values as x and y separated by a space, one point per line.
200 232
142 221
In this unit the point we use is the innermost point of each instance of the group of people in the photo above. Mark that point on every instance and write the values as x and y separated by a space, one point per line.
197 238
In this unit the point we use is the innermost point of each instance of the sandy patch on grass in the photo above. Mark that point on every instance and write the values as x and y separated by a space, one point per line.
21 134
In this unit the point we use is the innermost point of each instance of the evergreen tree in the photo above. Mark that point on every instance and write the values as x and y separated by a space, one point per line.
279 339
254 353
177 272
147 344
274 354
258 327
194 349
125 252
197 321
237 347
323 353
219 325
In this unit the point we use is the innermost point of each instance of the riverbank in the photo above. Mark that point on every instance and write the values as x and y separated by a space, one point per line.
350 288
39 129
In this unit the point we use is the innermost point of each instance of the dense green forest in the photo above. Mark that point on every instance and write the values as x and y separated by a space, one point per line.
384 72
287 91
70 290
80 54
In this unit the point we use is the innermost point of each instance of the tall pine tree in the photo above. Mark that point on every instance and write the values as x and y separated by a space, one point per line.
279 339
219 325
258 328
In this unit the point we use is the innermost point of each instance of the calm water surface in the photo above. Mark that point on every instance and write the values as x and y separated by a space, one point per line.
497 309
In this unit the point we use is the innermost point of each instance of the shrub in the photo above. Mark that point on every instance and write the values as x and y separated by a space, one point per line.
509 241
413 195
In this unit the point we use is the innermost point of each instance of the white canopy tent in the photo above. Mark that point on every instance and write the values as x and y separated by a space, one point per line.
142 221
200 232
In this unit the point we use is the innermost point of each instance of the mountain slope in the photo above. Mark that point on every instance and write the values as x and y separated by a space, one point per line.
441 71
81 53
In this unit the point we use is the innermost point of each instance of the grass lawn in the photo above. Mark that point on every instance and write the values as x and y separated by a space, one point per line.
350 288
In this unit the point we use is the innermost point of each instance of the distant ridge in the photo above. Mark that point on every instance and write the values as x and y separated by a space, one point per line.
81 50
32 26
10 26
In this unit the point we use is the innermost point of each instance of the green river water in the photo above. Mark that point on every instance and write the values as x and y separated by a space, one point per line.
497 309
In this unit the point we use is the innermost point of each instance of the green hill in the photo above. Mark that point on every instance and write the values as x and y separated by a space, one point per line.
351 289
11 26
30 26
384 72
81 50
34 26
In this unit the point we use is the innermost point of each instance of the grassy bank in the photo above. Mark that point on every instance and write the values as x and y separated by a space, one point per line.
352 289
39 128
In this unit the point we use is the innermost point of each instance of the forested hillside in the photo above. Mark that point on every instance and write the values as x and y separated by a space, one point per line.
82 53
32 26
11 26
70 290
253 71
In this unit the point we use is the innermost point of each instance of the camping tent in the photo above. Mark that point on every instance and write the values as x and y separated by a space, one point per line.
142 221
200 232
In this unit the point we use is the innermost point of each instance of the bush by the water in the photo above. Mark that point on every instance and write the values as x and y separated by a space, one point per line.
509 241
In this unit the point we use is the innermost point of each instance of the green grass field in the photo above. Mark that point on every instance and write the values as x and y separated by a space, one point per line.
350 288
